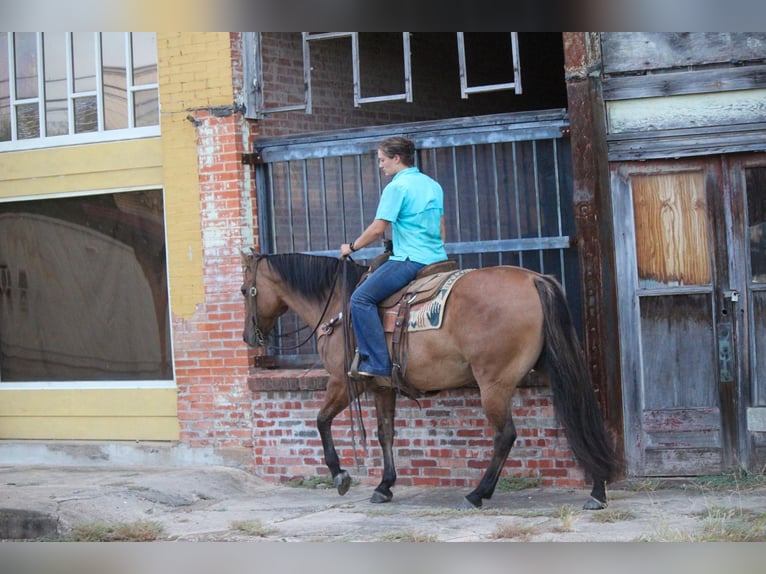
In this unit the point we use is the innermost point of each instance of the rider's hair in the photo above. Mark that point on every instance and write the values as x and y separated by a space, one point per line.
397 145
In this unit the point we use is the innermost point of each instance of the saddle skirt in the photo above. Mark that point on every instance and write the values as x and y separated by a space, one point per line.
425 298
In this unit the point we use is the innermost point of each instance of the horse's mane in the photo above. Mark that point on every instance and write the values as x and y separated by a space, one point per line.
313 276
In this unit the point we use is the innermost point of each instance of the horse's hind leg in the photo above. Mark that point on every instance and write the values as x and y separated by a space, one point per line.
597 499
337 399
505 435
385 407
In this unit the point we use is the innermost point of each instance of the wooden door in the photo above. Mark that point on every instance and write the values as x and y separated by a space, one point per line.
747 177
677 309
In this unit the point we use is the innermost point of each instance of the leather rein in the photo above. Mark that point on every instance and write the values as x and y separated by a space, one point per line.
326 327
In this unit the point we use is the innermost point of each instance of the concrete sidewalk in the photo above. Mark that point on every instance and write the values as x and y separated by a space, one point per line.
217 503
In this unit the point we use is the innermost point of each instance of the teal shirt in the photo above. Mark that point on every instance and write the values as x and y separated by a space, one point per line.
414 204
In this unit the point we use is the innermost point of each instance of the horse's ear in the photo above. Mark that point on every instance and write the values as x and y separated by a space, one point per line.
247 254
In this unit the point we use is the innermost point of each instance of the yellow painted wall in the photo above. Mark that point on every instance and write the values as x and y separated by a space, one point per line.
108 414
120 165
194 72
116 414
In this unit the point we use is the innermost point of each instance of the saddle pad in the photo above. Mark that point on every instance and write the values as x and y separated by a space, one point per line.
427 314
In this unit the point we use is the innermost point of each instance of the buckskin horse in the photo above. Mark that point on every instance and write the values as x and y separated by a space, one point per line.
499 324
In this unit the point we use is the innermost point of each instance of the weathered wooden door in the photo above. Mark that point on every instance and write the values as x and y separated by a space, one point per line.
683 280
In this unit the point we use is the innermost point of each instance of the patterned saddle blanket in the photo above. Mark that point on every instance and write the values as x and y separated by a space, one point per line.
426 298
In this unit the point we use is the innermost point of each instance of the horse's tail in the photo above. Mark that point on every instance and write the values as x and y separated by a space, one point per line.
573 396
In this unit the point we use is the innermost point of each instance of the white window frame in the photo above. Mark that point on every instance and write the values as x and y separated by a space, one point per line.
515 85
72 138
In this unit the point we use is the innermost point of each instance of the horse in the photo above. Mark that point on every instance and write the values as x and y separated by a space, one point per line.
499 324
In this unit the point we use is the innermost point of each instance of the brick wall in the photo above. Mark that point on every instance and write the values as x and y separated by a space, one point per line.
439 441
206 190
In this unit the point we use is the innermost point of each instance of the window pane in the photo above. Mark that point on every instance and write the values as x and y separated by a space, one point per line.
147 109
26 64
85 115
28 121
83 289
144 46
54 64
5 93
114 70
755 180
84 61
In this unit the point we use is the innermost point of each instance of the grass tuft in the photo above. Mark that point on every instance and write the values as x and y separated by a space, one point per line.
252 528
407 536
511 531
513 483
140 531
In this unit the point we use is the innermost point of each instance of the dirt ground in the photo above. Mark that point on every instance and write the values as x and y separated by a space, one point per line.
215 503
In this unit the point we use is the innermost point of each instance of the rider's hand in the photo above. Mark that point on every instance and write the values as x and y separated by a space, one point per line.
345 250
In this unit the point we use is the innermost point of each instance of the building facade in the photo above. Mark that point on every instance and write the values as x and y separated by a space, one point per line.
628 165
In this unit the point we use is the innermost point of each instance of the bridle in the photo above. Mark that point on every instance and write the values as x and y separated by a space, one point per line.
252 303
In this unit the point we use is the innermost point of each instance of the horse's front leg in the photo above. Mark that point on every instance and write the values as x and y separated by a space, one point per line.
337 399
385 408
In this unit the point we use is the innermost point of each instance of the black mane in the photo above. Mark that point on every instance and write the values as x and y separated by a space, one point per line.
313 276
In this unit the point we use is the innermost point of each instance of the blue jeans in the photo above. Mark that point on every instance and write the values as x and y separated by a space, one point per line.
370 338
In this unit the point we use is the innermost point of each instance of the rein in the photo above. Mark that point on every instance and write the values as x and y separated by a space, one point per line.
254 313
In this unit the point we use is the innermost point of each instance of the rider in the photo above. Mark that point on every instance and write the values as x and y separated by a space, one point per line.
413 204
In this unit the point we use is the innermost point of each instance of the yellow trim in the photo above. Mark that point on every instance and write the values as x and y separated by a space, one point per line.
99 414
119 165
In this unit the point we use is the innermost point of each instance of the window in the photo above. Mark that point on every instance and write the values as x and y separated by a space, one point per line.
83 289
60 88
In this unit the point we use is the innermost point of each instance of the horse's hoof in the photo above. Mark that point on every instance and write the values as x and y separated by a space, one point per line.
378 497
342 482
466 504
594 504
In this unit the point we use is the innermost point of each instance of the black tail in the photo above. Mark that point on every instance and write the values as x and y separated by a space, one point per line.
573 396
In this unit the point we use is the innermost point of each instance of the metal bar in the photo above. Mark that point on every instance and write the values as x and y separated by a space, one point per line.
374 99
407 66
306 205
468 247
306 71
496 192
360 141
360 193
516 62
461 64
457 200
490 88
559 222
538 205
342 199
355 68
516 195
289 190
476 202
323 196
